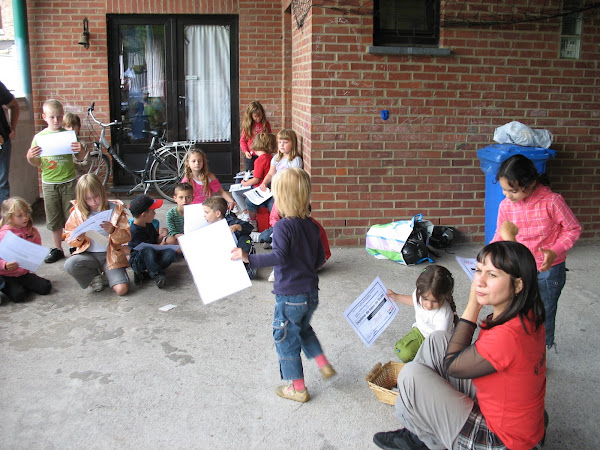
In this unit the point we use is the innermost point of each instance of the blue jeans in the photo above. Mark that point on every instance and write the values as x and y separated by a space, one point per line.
551 283
4 170
155 262
267 204
292 332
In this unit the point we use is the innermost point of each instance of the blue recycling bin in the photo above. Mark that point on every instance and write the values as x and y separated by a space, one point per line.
490 159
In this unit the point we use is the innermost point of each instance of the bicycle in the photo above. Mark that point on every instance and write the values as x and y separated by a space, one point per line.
164 163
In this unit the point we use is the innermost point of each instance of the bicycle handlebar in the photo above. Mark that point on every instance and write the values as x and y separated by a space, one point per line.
90 112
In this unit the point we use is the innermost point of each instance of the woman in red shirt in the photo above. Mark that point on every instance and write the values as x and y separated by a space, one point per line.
489 393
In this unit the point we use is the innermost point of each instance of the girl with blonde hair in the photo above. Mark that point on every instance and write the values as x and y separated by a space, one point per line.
98 259
296 256
19 282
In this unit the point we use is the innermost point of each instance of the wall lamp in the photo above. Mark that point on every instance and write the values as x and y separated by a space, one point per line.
85 36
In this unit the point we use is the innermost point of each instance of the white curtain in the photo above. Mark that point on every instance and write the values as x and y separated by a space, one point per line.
208 83
155 62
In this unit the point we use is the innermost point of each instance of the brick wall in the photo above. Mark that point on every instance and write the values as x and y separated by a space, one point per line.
442 109
321 80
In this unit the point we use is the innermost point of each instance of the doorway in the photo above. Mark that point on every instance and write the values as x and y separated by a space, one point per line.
177 75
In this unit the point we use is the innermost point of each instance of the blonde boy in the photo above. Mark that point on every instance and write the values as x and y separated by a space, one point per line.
184 194
58 177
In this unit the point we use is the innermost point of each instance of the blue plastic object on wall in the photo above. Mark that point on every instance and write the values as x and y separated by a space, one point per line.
385 114
490 159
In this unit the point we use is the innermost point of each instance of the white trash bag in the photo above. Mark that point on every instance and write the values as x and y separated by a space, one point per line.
517 133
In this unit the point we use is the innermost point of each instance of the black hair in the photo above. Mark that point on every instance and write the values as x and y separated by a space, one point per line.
520 172
517 261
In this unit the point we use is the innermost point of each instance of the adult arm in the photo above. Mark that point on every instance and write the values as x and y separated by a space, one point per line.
13 106
462 359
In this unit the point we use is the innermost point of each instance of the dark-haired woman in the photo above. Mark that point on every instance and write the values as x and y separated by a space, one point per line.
489 393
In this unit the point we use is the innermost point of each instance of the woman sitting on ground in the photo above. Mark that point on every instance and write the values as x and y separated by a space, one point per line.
489 393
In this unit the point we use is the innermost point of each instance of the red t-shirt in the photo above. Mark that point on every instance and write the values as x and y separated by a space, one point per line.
512 398
261 167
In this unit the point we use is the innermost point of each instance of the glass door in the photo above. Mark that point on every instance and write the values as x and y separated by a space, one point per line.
175 75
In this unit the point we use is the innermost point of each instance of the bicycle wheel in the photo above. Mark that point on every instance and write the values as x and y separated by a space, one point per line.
100 165
167 170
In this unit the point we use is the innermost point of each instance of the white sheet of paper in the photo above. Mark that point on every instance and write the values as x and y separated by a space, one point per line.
156 247
239 187
193 218
28 254
371 313
91 224
468 265
258 196
207 253
56 143
167 307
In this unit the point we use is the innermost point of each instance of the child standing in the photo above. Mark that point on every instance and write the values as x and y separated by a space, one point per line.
434 309
95 262
58 177
297 253
205 183
254 122
184 194
148 260
19 282
541 220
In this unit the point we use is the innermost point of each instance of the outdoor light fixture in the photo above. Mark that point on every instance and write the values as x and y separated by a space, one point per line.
85 36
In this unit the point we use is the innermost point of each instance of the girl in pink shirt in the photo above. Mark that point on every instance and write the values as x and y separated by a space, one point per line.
204 182
254 122
19 282
541 220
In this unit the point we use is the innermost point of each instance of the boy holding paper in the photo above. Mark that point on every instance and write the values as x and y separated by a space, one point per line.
149 260
215 209
58 175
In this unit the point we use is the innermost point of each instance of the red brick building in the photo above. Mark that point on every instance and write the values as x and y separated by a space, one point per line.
315 67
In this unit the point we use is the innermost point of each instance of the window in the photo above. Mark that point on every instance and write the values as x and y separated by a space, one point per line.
570 38
406 23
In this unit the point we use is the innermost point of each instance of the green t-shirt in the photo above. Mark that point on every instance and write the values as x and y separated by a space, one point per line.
56 169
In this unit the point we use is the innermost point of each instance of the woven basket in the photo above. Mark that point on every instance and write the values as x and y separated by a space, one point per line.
382 379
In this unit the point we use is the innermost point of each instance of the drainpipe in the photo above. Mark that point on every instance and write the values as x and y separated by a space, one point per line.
22 43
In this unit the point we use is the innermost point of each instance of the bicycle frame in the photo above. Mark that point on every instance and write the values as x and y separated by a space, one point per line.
164 161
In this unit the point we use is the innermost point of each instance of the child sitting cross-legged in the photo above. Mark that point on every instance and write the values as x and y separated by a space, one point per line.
184 194
215 209
148 260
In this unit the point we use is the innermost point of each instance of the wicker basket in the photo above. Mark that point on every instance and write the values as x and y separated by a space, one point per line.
382 379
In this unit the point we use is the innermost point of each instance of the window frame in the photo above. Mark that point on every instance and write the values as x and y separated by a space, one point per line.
408 38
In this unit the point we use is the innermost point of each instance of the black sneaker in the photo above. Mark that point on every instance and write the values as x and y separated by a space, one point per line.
399 439
160 281
54 255
137 278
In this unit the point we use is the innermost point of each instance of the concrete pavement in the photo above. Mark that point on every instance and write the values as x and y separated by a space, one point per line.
89 370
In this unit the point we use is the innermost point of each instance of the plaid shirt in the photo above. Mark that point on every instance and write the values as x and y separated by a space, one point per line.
475 434
544 221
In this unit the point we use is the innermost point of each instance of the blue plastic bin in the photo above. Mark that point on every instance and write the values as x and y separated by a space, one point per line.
490 159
